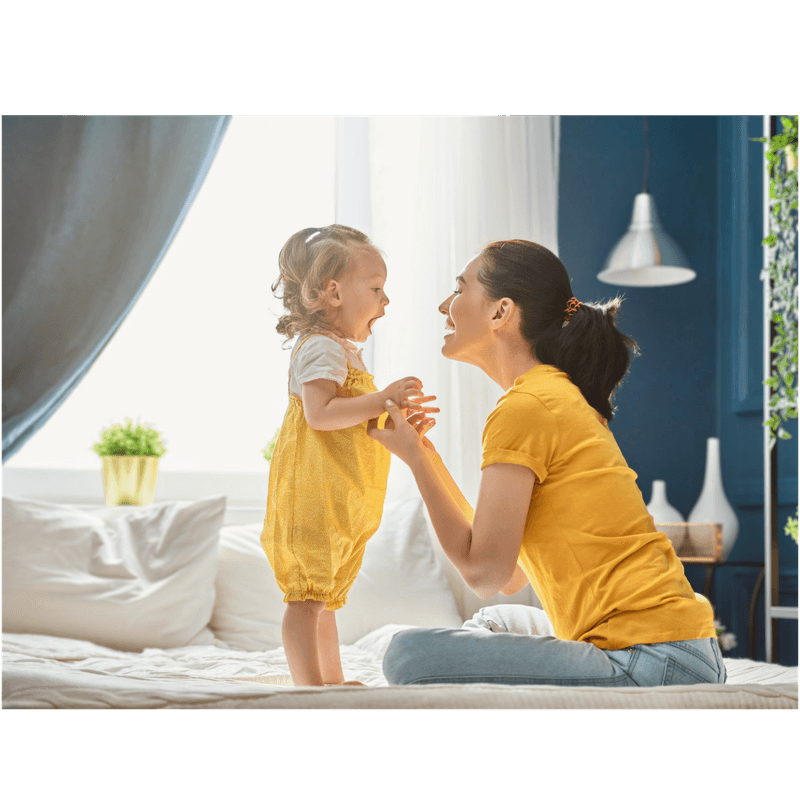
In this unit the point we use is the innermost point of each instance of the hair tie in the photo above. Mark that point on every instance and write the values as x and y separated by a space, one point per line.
572 306
316 233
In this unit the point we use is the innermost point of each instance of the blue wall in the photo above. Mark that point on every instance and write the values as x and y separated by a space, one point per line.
699 372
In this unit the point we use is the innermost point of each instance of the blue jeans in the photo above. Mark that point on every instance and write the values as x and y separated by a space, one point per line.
514 645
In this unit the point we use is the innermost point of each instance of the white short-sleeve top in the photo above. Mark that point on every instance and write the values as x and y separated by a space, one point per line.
324 356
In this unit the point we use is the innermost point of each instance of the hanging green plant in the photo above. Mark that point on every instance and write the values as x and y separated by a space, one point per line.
125 440
781 157
791 528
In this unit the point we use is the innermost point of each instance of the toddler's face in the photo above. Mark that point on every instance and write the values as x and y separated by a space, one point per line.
361 299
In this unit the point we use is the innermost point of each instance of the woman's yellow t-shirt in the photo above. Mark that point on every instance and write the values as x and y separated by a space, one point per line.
602 571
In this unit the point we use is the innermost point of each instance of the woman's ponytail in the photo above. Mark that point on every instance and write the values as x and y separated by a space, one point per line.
580 339
590 349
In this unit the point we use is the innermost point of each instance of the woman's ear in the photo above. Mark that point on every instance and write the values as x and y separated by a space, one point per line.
505 311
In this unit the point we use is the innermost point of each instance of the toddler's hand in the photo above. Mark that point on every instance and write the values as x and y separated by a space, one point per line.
407 395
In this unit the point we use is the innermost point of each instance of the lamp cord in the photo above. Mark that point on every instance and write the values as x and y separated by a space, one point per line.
646 154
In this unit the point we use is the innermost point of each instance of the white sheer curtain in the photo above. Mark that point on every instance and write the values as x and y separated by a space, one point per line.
440 188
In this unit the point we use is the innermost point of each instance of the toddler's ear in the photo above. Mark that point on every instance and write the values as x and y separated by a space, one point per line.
331 293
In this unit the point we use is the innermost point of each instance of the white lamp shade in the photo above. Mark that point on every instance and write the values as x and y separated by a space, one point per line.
645 255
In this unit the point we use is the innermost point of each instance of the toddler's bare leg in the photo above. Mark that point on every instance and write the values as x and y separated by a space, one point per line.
301 641
329 655
330 660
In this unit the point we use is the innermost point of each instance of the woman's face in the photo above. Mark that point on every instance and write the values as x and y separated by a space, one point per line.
469 312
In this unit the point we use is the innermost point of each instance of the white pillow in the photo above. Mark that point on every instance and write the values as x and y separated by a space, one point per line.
127 577
400 582
249 607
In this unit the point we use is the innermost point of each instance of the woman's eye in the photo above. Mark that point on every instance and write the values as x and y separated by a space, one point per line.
456 291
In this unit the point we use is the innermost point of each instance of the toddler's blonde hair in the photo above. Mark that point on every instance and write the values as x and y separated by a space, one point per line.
309 259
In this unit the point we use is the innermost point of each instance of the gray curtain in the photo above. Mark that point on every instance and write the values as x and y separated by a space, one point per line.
90 206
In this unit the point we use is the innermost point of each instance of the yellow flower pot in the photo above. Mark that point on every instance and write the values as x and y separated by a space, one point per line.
130 480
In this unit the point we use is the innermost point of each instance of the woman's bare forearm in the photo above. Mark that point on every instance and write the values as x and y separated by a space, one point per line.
450 513
452 486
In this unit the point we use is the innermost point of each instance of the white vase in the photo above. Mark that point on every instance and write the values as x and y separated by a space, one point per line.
712 505
659 506
662 512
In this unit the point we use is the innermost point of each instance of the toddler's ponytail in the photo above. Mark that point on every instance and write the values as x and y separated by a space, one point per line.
580 339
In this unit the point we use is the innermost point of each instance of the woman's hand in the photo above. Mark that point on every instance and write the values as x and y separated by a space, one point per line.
403 437
401 393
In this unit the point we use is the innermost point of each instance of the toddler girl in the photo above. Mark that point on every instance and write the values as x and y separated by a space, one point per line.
327 478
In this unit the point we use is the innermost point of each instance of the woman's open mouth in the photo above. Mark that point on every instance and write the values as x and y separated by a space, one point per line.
449 327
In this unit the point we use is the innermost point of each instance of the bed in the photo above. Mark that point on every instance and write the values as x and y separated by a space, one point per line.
166 606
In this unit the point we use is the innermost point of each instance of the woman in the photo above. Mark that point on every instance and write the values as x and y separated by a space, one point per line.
557 506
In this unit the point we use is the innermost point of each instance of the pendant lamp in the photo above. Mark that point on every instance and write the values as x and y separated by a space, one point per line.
646 255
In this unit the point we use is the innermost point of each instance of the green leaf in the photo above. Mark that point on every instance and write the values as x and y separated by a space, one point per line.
125 440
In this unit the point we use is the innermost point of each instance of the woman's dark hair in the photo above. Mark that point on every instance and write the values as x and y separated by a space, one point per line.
589 348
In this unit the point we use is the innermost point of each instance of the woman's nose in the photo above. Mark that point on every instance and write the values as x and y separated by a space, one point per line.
444 308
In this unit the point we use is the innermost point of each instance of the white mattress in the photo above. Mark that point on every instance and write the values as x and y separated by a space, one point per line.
53 672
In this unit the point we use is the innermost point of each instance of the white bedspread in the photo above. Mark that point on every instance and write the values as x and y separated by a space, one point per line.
122 580
52 672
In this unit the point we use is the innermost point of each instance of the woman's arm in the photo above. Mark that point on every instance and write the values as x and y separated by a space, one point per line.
518 582
483 549
451 485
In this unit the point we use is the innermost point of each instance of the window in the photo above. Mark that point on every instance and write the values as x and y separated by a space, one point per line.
198 356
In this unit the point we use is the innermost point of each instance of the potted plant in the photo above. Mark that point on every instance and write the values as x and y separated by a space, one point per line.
130 463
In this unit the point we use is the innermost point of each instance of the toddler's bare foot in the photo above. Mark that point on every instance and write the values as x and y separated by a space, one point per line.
347 683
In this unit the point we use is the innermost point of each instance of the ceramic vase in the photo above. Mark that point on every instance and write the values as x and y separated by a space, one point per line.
666 516
713 505
659 506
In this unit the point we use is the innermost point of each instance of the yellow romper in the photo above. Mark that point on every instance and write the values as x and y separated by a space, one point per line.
325 500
